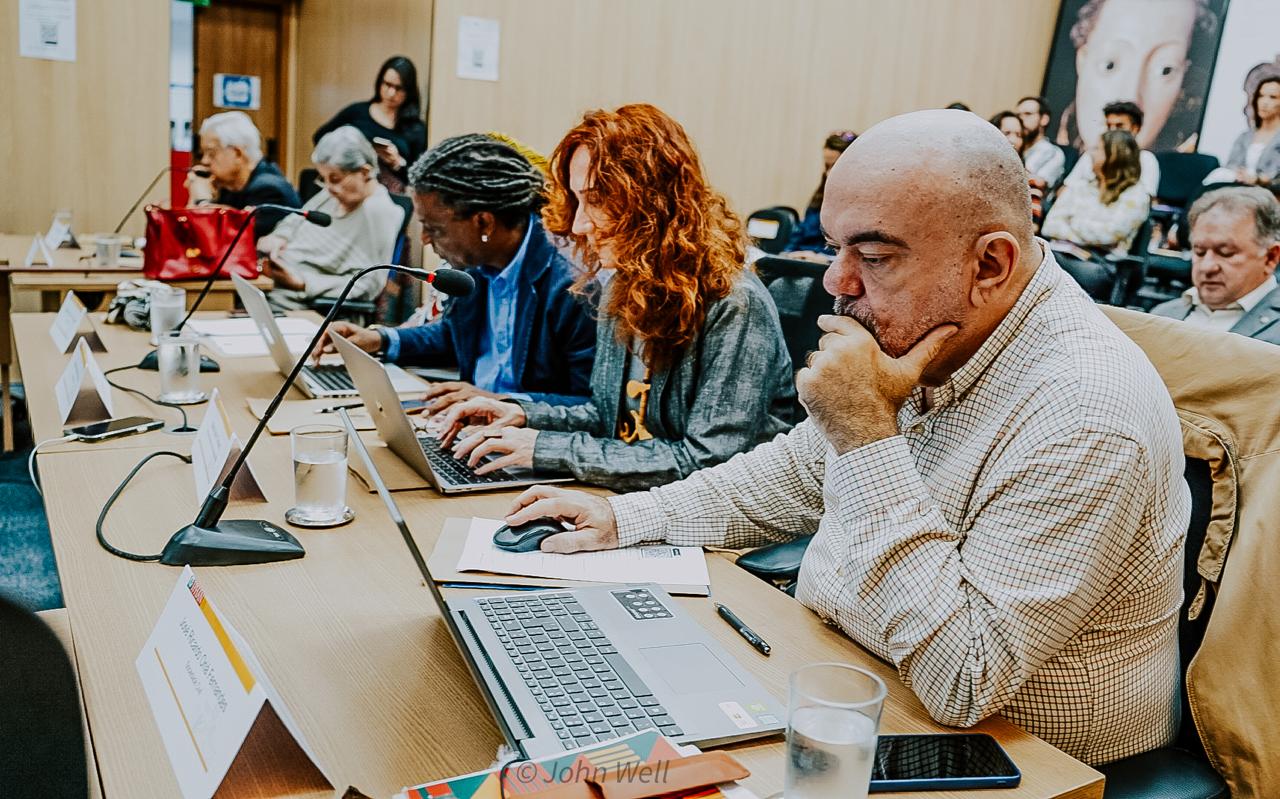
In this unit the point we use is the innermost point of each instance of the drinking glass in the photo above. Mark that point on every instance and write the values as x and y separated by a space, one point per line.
832 722
106 249
178 359
319 476
168 306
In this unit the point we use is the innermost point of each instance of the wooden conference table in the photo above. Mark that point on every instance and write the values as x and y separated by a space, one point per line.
348 634
71 271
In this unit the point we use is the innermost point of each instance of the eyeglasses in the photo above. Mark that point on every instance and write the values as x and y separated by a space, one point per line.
395 87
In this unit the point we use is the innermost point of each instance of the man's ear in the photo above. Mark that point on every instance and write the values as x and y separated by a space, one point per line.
998 255
1273 258
485 223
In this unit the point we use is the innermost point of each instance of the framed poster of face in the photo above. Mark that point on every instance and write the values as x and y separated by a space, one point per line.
1159 54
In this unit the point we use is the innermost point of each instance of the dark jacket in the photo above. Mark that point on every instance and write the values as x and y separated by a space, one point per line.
555 335
1259 322
808 234
731 389
266 185
409 136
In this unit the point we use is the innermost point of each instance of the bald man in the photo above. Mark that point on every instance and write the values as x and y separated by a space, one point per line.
993 470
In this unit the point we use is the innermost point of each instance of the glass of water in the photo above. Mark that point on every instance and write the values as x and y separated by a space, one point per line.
178 359
832 721
168 306
319 476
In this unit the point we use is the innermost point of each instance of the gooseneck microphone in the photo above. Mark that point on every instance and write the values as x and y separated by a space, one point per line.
152 359
147 191
210 541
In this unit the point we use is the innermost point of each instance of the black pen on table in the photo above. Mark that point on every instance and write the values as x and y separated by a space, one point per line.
746 632
335 408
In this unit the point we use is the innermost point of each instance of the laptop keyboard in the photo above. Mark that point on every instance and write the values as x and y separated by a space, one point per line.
331 376
587 691
453 470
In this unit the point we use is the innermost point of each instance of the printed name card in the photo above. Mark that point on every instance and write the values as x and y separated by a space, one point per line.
214 450
224 727
72 321
38 253
82 392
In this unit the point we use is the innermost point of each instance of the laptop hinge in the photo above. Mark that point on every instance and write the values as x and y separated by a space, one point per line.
502 703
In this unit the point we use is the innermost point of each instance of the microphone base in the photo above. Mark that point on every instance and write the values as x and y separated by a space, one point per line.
151 361
231 543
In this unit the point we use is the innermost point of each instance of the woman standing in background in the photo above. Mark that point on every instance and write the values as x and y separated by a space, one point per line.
391 121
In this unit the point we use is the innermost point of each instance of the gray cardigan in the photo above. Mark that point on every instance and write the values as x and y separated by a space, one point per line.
1259 322
731 389
1268 163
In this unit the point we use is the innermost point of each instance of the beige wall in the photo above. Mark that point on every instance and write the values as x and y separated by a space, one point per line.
340 44
757 83
84 135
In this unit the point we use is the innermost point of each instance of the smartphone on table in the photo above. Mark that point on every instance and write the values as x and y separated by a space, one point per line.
112 428
949 761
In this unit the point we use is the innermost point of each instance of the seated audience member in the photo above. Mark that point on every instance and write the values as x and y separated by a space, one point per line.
1124 116
307 261
807 242
1044 160
391 121
1255 155
993 470
521 331
691 367
1103 213
958 106
1010 126
231 151
1235 247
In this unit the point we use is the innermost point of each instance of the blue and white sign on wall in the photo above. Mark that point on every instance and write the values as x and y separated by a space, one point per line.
237 91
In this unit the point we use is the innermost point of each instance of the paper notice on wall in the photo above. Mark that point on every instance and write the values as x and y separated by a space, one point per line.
47 29
478 44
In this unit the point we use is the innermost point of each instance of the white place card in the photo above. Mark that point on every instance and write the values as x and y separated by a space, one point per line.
82 391
73 320
221 721
39 253
214 450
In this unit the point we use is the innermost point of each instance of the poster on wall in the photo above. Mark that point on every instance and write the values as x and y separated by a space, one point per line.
47 29
1250 57
1156 53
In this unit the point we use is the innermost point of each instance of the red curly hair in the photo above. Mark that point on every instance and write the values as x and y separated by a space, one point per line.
676 245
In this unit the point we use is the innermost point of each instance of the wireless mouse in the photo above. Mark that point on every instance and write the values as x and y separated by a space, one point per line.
526 537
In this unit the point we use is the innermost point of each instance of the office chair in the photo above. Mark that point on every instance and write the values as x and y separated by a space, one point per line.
42 750
1110 280
797 291
1180 771
1181 175
362 312
308 183
771 228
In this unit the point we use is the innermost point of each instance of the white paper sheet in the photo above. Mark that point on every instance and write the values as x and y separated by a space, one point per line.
663 563
289 326
253 346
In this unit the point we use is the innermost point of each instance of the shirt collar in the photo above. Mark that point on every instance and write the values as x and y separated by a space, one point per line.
1245 303
1046 277
509 273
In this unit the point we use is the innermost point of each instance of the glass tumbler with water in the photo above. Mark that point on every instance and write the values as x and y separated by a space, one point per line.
168 306
319 476
178 359
832 721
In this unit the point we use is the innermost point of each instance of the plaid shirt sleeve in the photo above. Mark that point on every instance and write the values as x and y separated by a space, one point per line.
1049 532
772 493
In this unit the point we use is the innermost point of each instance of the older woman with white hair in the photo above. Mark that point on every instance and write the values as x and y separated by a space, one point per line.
307 261
235 173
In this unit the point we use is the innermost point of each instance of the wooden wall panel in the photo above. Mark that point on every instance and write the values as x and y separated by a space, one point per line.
85 135
340 44
757 83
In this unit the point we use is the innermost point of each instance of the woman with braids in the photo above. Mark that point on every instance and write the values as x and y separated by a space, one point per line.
690 364
522 331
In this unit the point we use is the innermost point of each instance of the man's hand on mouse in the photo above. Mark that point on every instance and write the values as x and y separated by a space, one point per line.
594 524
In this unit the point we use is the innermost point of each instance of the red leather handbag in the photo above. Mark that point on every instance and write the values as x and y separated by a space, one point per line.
187 243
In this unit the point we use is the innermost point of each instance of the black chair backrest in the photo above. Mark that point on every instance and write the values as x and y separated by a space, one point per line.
797 290
42 750
406 205
308 183
1191 633
771 229
1096 279
1181 175
1071 156
789 211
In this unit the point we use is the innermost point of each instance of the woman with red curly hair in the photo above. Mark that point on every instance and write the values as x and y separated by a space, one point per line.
690 365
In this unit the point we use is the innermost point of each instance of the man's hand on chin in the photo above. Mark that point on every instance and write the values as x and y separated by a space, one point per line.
853 390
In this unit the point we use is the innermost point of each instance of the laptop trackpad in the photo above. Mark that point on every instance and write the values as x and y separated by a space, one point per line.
689 668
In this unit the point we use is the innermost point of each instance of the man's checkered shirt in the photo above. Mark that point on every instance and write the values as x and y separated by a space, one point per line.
1017 549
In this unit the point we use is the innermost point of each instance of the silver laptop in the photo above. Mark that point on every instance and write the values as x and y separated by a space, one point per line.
563 669
315 380
420 450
